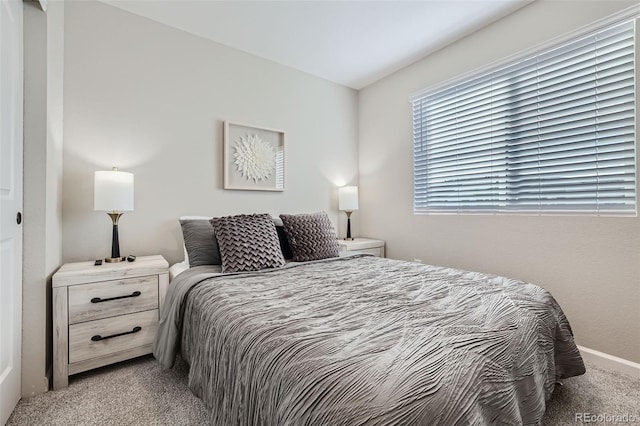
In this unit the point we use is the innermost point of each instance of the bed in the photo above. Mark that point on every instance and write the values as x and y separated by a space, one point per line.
359 340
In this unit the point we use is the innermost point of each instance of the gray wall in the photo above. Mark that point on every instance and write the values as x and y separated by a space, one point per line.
151 100
43 53
590 264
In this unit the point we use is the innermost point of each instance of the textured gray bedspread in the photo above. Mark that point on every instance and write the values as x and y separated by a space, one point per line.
355 341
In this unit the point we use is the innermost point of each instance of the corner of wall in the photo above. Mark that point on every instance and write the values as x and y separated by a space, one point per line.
43 70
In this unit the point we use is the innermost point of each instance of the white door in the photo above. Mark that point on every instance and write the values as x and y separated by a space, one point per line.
11 91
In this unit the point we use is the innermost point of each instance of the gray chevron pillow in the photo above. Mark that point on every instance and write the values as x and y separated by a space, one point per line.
247 242
311 236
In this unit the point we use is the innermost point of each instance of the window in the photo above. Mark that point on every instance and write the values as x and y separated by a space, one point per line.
552 133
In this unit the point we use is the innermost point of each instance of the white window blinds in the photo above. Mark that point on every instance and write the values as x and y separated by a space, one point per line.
552 133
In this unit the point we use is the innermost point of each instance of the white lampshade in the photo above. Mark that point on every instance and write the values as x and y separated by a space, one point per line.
113 191
348 198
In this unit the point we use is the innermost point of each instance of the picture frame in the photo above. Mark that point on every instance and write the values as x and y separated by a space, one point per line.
254 158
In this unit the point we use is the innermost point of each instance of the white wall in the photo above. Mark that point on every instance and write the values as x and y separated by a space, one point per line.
42 186
151 100
590 264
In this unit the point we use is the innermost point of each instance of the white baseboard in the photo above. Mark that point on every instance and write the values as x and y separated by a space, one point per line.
610 362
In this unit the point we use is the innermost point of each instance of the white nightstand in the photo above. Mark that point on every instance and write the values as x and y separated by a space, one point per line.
363 245
105 314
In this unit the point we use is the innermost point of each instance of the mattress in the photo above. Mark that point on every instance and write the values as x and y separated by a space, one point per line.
366 340
176 269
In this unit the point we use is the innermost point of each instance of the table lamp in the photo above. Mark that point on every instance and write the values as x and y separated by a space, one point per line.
113 193
348 202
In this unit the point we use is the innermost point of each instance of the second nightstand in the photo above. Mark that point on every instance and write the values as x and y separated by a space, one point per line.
364 245
105 314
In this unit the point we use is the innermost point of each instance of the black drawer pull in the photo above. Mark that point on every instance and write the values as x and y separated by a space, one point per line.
98 337
98 300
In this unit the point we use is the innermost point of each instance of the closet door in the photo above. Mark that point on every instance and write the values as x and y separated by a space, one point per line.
11 106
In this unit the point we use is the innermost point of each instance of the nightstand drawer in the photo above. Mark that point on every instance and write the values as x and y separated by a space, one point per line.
363 245
110 335
374 251
111 298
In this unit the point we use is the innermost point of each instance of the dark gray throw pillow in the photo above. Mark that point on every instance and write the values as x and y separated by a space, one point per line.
200 242
284 243
311 236
282 236
247 242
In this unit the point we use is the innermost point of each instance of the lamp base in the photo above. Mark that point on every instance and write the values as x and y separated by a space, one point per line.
348 237
115 243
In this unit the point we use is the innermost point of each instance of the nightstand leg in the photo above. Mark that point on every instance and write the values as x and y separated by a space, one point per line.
60 339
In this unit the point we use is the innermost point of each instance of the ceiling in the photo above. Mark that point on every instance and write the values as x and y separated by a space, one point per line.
353 43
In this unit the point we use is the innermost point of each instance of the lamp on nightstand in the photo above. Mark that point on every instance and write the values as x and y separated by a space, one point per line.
113 194
348 202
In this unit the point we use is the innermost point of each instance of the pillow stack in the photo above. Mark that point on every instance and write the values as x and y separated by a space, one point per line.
257 241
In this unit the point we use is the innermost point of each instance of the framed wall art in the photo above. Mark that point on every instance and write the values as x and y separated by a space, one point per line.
253 158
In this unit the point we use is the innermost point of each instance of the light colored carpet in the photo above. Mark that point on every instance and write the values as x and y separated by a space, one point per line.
599 392
134 392
137 392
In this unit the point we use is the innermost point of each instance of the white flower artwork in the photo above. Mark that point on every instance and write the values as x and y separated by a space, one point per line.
254 158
